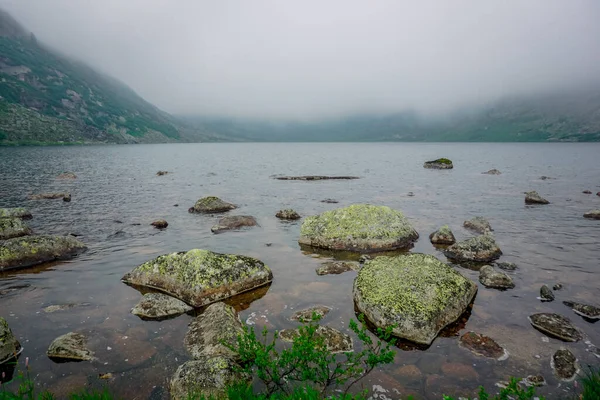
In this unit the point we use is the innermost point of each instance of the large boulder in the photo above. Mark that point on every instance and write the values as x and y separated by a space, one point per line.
201 277
442 236
494 279
533 197
359 227
70 347
440 163
481 248
12 228
478 224
211 204
17 212
9 345
417 294
592 214
218 324
32 250
159 306
232 223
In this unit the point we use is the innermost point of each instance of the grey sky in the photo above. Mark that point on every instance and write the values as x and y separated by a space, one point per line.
307 59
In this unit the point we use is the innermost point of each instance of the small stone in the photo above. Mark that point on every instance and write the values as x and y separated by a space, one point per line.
161 173
67 198
50 196
234 223
546 294
534 380
494 279
593 214
334 340
565 365
336 267
556 326
483 346
585 310
288 214
306 315
507 266
410 194
587 192
160 224
70 347
159 306
493 171
557 286
443 236
478 224
534 198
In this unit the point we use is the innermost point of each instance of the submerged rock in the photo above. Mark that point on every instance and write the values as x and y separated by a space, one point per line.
32 250
314 178
333 340
545 178
306 315
564 364
478 224
12 228
493 171
9 345
359 227
233 223
70 347
17 212
51 196
218 324
160 224
593 214
443 235
417 294
336 267
161 173
482 345
587 192
158 306
201 277
507 266
546 294
440 163
329 201
481 248
288 214
585 310
533 197
211 204
494 279
67 175
207 376
556 326
61 307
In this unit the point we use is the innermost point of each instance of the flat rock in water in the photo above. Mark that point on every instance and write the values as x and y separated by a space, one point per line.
587 192
67 175
17 212
336 267
494 279
12 228
534 380
62 307
201 277
160 224
50 196
507 266
32 250
334 340
546 294
70 347
288 214
207 376
416 294
565 365
593 214
481 248
443 236
482 345
329 201
533 197
218 324
493 171
158 306
9 345
440 163
556 326
314 178
585 310
161 173
306 315
232 223
360 228
478 224
210 205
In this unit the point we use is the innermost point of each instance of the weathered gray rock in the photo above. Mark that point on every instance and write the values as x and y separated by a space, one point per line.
556 326
481 248
307 314
493 171
201 277
210 205
592 214
534 380
360 228
478 224
533 197
333 340
32 250
494 279
440 163
67 175
585 310
482 345
416 294
12 228
51 196
442 236
288 214
160 224
314 178
9 345
17 212
70 347
232 223
208 376
161 173
159 306
507 266
546 294
218 324
337 267
565 365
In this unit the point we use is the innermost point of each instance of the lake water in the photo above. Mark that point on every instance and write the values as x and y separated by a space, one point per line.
117 189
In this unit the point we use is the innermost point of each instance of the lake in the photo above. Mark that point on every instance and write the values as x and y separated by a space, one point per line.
117 195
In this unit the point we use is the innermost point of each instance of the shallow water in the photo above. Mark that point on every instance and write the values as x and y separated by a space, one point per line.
117 188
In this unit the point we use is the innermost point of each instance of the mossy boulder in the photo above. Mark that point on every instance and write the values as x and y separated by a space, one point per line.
211 205
12 228
443 236
32 250
360 228
481 248
70 347
233 223
159 306
9 345
17 212
440 163
201 277
417 294
288 214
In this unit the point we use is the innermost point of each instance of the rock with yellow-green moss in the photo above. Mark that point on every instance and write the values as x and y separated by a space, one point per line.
211 205
12 228
416 294
200 277
9 345
16 212
360 228
27 251
440 163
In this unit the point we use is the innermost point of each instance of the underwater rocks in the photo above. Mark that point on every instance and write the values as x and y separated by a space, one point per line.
12 228
51 196
201 277
159 306
334 340
360 228
494 279
440 163
442 236
32 250
564 364
329 201
592 214
533 197
306 315
546 294
483 346
478 224
507 266
481 248
417 294
234 223
314 178
336 267
556 326
210 205
70 347
17 212
9 345
67 175
288 214
160 224
585 310
493 171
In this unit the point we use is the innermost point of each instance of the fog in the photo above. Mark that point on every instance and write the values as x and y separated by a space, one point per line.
316 59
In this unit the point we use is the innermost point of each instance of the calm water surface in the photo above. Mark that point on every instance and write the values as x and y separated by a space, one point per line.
117 194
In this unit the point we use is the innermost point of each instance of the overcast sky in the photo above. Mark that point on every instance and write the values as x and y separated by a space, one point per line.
307 59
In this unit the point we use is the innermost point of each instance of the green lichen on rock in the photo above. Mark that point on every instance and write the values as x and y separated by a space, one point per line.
442 236
200 277
440 163
12 228
211 204
27 251
9 345
416 293
359 227
17 212
481 248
